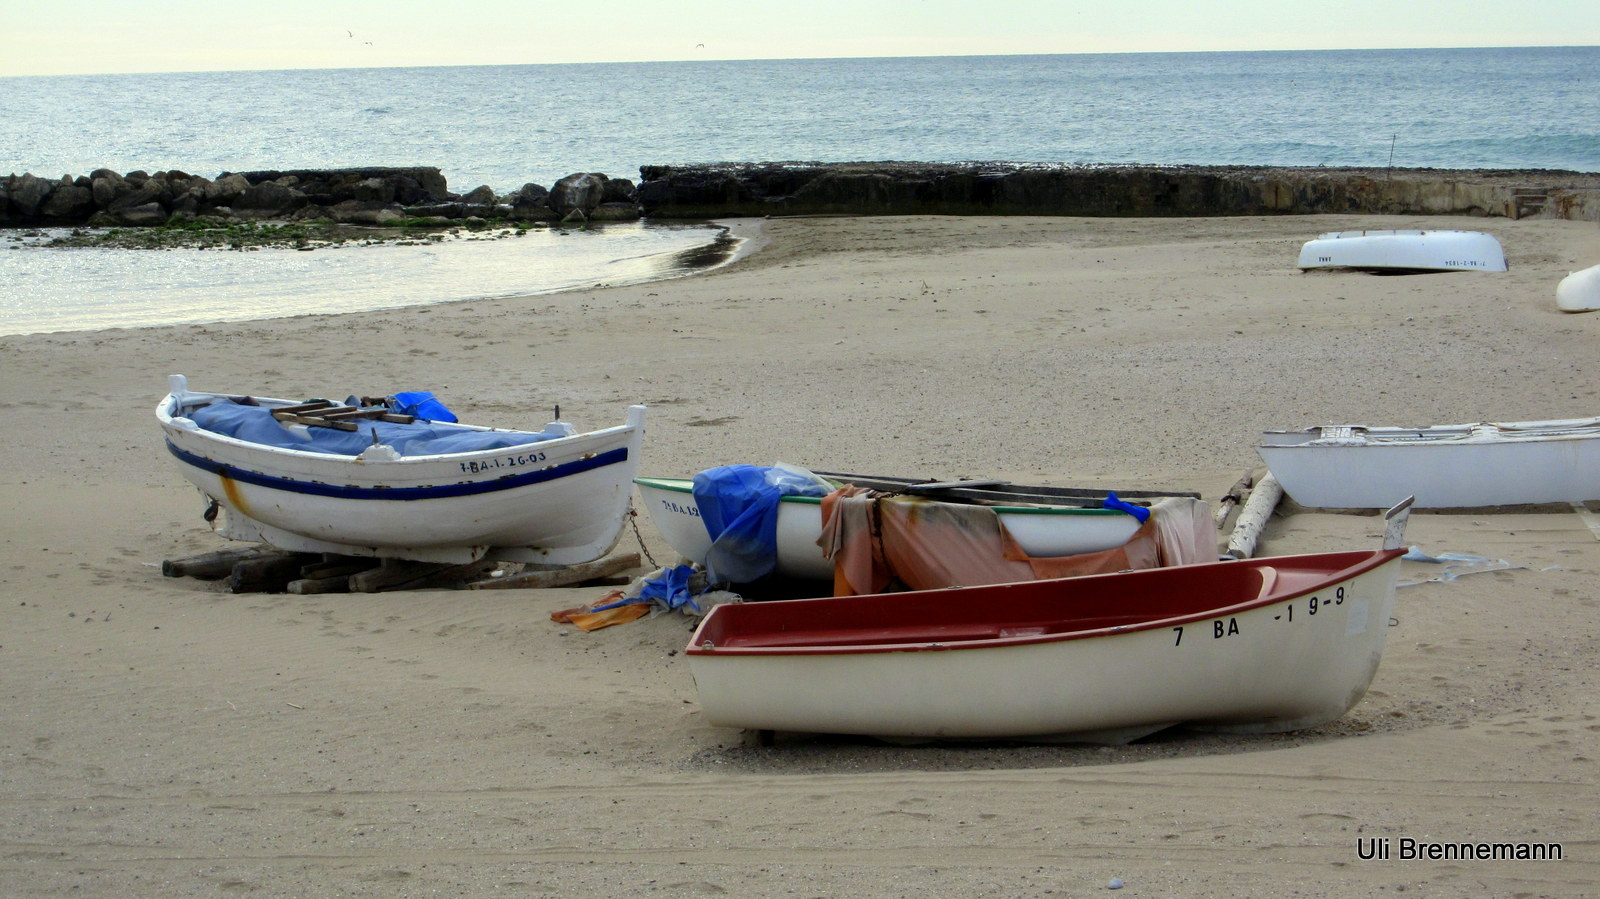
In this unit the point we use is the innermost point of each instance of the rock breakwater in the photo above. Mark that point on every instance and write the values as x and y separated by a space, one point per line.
420 195
896 188
355 196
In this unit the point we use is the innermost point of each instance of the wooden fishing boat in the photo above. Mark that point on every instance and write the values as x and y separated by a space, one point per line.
1405 251
1451 466
358 479
1579 291
1254 646
1046 521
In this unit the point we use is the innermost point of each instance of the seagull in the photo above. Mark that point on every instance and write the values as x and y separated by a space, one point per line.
699 46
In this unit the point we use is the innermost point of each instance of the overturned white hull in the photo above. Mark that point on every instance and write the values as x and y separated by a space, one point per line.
558 501
1454 466
1413 251
1579 291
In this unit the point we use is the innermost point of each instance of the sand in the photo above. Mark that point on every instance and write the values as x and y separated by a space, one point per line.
163 737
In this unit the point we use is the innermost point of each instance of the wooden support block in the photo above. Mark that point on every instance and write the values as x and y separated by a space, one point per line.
451 576
269 574
213 565
338 566
561 577
331 584
390 573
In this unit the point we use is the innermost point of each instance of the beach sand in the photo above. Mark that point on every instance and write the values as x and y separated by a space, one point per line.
163 737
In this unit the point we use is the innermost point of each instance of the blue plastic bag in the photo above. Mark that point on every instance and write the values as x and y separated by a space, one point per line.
739 505
422 404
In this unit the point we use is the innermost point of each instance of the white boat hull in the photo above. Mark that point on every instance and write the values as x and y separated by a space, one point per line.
1271 668
1405 251
1457 466
560 501
1579 291
1040 532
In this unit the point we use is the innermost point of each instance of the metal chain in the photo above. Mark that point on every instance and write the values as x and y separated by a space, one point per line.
633 518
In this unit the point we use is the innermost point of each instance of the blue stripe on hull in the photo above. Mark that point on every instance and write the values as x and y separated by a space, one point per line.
471 488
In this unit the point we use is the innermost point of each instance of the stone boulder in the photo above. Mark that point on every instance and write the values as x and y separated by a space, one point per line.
28 193
147 215
269 199
618 190
530 203
577 194
131 193
615 212
365 212
70 201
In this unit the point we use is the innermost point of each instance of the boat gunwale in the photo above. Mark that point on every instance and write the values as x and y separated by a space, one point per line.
1484 433
1375 559
685 485
168 413
409 493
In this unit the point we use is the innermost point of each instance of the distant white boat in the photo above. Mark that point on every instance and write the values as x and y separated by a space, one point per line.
1579 291
1452 466
1405 251
362 480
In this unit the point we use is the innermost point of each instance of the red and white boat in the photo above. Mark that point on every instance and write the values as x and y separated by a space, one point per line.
1253 646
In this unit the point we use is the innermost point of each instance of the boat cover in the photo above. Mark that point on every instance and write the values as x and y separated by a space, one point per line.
255 424
875 539
739 505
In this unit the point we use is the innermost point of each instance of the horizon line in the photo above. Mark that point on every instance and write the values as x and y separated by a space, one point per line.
481 65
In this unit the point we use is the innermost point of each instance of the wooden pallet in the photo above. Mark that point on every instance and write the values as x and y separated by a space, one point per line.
262 569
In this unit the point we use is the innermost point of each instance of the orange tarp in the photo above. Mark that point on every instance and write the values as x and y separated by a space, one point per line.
874 539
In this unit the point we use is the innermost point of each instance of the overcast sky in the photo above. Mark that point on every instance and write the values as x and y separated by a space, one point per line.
52 37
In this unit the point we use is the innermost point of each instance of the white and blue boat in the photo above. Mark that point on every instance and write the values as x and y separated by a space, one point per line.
359 478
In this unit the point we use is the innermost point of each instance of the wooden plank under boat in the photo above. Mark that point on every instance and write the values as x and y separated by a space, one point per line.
1404 251
1447 466
1254 646
455 493
1046 521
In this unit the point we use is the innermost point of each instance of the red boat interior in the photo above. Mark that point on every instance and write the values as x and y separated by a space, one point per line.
1025 611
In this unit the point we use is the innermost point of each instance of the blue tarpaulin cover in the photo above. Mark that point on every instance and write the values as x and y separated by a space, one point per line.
669 588
256 425
422 404
739 505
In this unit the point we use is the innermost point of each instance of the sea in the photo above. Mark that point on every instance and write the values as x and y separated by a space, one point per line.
505 126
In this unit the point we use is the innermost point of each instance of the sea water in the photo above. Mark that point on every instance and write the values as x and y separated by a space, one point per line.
504 126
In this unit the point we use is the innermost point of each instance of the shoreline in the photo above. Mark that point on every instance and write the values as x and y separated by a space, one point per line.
392 280
166 736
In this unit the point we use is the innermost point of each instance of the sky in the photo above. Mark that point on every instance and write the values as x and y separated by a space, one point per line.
60 37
